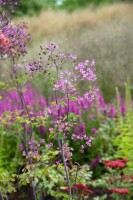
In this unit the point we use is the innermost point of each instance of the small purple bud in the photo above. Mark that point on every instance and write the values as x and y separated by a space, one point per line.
94 130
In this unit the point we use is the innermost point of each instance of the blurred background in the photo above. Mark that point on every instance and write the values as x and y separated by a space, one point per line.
99 29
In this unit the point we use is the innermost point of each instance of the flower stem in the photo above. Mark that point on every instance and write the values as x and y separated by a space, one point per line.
1 197
60 143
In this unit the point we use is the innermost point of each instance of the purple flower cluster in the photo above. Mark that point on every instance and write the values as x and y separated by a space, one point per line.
65 88
10 101
37 104
95 161
86 73
66 83
87 100
73 108
62 127
108 109
13 38
81 135
49 57
68 97
67 151
33 147
7 7
16 38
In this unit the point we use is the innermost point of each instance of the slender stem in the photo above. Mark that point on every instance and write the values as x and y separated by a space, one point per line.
60 143
17 147
25 109
7 197
33 168
34 192
75 179
18 89
1 197
41 195
65 166
23 104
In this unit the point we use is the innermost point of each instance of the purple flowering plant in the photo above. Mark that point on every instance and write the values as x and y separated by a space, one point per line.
65 90
43 139
64 85
13 41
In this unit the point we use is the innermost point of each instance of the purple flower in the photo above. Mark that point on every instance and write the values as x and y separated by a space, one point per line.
112 111
123 109
92 62
42 129
17 39
42 140
57 162
35 153
94 130
24 153
52 46
88 142
95 162
20 147
10 101
51 130
86 73
50 144
82 127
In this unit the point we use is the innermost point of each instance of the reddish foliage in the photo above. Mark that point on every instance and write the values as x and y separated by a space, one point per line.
80 187
87 191
125 160
127 177
120 191
116 163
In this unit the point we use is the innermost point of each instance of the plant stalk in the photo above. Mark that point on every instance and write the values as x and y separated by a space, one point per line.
1 197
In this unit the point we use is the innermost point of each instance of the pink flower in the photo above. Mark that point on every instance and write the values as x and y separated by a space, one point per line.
24 153
52 46
57 162
4 40
51 130
88 142
92 63
42 140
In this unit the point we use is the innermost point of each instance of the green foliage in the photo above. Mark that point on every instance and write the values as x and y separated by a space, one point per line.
50 177
33 7
6 182
124 129
28 7
102 142
9 159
